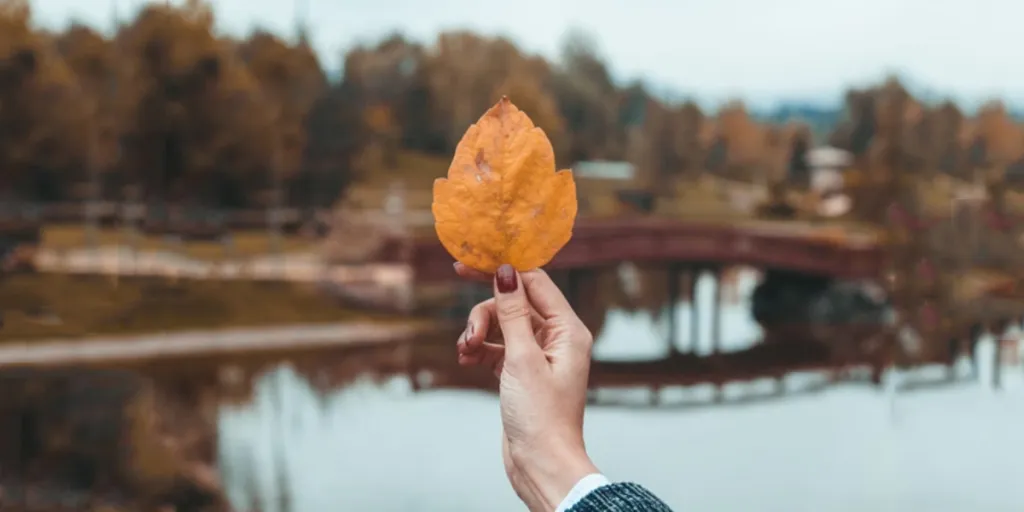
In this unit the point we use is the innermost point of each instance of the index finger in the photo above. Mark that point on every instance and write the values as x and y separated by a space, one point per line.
544 295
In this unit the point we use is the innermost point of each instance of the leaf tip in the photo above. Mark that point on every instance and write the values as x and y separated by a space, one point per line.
503 107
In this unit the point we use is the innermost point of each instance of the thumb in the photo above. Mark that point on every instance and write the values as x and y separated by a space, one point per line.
513 311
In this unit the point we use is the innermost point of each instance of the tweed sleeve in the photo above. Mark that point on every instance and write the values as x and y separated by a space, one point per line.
620 497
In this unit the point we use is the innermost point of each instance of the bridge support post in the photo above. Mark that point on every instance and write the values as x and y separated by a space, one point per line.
998 333
694 309
716 313
954 353
671 339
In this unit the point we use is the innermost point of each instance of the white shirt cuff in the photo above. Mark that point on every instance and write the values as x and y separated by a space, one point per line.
585 486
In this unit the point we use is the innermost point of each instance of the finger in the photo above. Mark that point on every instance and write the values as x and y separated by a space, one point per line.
545 296
482 325
513 314
478 326
487 355
472 274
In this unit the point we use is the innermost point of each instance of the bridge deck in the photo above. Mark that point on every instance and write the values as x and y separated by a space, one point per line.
839 249
138 350
852 234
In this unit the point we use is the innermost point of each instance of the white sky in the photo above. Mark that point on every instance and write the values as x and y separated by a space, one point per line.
757 50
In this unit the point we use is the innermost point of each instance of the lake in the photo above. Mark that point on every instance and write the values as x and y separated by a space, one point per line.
846 448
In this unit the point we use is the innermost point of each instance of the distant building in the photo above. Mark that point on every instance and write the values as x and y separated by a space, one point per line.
611 187
827 166
622 171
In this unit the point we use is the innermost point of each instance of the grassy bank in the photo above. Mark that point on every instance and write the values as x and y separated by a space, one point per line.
244 243
49 306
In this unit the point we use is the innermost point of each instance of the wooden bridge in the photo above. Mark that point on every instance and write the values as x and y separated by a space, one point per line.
815 249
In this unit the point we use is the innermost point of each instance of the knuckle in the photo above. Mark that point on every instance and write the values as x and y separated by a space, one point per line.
513 310
481 309
516 358
584 336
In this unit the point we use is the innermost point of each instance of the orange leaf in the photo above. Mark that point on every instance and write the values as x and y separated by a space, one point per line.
503 202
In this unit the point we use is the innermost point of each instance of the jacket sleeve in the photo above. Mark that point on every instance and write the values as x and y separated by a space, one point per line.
620 497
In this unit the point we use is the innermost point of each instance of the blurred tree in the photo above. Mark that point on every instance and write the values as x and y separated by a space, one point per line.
392 76
588 101
717 155
745 140
93 60
640 117
200 129
891 126
1003 139
798 169
335 133
199 118
858 127
467 73
686 122
918 138
290 77
945 151
528 92
44 114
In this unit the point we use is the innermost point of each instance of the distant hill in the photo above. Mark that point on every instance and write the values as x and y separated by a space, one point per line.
821 118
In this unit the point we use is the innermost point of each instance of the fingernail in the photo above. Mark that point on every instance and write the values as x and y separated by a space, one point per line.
469 330
506 279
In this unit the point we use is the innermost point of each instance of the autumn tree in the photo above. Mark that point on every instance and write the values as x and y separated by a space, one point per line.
945 149
797 146
686 122
996 139
530 90
744 139
93 60
201 129
465 73
291 80
588 101
334 138
858 127
388 80
45 132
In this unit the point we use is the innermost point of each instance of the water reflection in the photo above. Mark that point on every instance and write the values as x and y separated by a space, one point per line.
639 336
383 448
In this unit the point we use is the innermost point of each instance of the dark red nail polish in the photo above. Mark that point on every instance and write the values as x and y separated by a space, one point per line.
506 279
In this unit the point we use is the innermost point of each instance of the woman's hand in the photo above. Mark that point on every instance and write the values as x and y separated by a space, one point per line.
531 338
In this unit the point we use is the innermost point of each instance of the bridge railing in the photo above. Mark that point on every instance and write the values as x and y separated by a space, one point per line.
610 242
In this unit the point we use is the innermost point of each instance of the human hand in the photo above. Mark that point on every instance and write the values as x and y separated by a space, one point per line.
531 338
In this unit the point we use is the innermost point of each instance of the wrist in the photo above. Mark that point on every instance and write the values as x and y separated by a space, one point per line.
552 474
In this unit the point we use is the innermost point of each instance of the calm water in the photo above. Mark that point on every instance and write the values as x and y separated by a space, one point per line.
371 448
